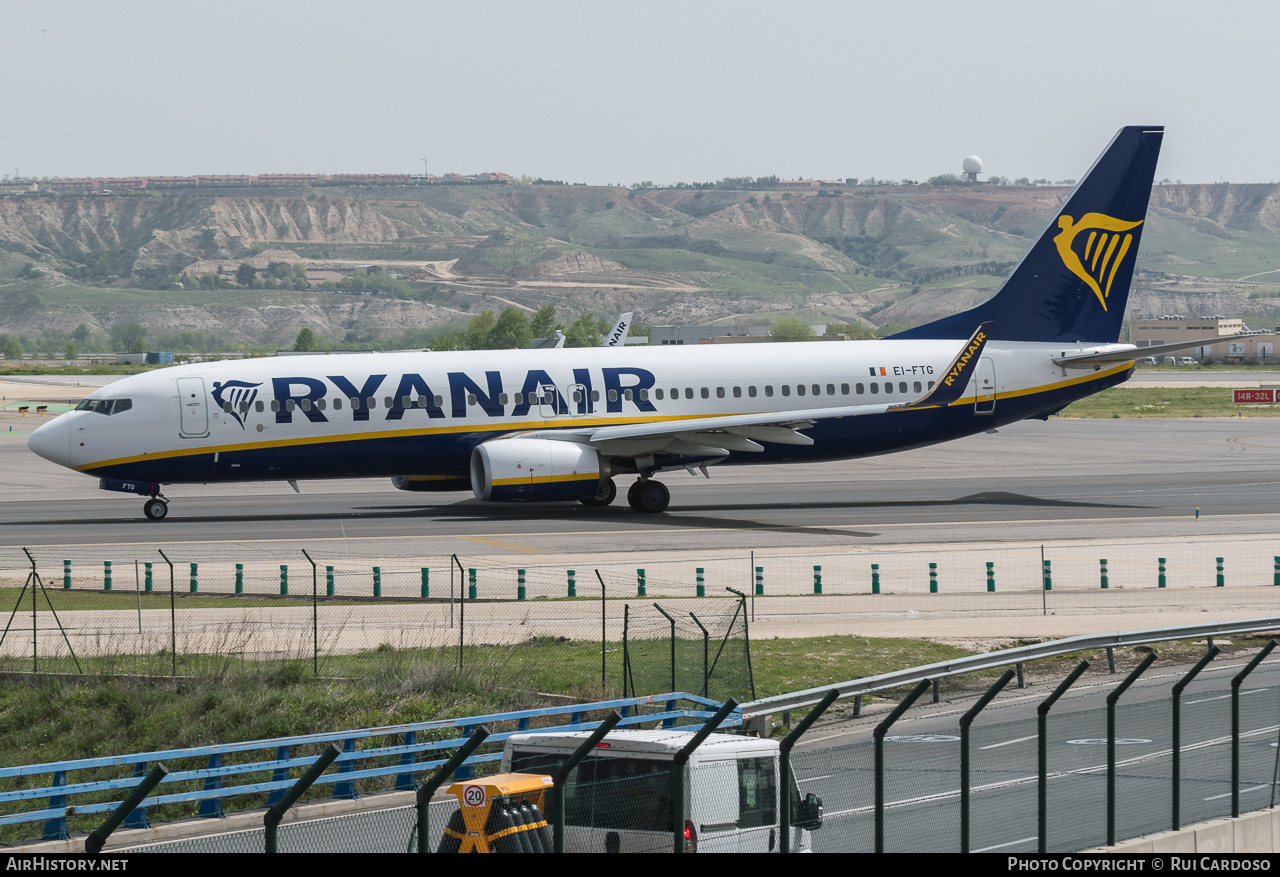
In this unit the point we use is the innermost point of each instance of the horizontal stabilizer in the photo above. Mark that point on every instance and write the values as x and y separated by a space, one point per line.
1113 353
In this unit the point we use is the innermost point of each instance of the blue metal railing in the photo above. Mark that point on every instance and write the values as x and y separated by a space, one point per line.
217 780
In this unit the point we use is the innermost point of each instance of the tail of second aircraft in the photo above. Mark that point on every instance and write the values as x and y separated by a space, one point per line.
1072 285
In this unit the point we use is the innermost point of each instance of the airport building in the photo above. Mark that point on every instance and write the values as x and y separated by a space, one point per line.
1259 345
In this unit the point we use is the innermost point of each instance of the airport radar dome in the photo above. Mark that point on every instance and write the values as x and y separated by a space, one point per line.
973 165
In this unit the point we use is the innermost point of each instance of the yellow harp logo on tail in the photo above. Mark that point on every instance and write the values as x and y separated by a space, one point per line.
1103 251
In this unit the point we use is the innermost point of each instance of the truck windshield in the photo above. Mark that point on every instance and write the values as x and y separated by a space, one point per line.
632 794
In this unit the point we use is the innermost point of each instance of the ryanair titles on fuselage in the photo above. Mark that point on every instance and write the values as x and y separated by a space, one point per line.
299 395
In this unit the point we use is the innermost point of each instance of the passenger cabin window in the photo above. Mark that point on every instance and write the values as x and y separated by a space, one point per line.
799 390
355 403
875 388
688 392
931 385
275 404
844 388
320 403
719 392
917 387
644 394
257 406
768 390
658 393
737 392
306 404
831 389
337 404
859 389
387 402
751 391
786 389
817 390
502 398
626 394
613 395
902 386
595 395
706 394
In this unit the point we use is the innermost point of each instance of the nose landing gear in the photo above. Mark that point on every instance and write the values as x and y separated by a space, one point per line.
155 509
648 496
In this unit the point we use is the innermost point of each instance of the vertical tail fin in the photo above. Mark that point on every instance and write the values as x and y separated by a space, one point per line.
1072 285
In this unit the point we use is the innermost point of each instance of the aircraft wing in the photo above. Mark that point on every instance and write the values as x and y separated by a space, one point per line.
717 435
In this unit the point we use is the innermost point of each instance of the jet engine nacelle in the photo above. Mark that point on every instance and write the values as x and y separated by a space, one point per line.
534 470
430 483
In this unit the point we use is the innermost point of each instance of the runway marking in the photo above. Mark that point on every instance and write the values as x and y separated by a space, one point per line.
1242 792
1012 843
1008 742
495 542
1225 696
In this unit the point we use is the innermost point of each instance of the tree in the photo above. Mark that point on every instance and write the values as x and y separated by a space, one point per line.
72 351
544 321
478 329
791 329
306 340
81 333
511 330
13 348
583 332
126 336
245 274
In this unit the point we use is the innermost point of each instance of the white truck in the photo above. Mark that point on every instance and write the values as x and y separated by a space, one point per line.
620 798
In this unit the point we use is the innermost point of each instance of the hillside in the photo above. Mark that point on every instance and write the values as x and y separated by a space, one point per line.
896 254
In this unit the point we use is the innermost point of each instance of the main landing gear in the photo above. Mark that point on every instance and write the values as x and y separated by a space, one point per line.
155 509
605 494
648 496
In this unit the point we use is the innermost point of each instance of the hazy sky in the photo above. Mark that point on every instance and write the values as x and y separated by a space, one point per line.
664 91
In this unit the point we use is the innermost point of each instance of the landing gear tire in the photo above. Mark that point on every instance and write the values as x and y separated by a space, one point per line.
605 494
155 509
650 497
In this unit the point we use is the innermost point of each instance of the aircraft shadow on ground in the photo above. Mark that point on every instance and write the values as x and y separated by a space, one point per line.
703 516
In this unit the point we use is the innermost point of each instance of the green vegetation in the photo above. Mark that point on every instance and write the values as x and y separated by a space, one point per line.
1166 402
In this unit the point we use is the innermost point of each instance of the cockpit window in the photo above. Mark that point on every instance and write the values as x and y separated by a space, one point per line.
105 406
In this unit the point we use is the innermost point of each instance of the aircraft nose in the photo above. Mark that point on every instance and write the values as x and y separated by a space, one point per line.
53 441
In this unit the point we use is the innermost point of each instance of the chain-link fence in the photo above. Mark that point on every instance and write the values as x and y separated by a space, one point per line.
670 647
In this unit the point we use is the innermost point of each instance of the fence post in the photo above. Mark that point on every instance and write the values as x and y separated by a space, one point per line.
462 608
875 578
1042 733
315 616
284 578
239 578
640 587
681 832
1112 698
106 575
146 576
965 721
760 581
673 644
1275 571
194 587
701 589
427 789
472 591
56 828
1177 732
1048 575
991 577
706 655
328 581
1236 682
520 588
272 818
66 575
1222 579
377 581
1105 579
561 777
173 615
426 582
93 843
933 578
817 579
1160 579
784 752
573 583
879 733
604 603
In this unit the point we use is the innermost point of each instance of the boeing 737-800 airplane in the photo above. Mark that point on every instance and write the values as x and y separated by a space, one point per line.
560 424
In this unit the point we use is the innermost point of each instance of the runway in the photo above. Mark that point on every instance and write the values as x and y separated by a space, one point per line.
1068 479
